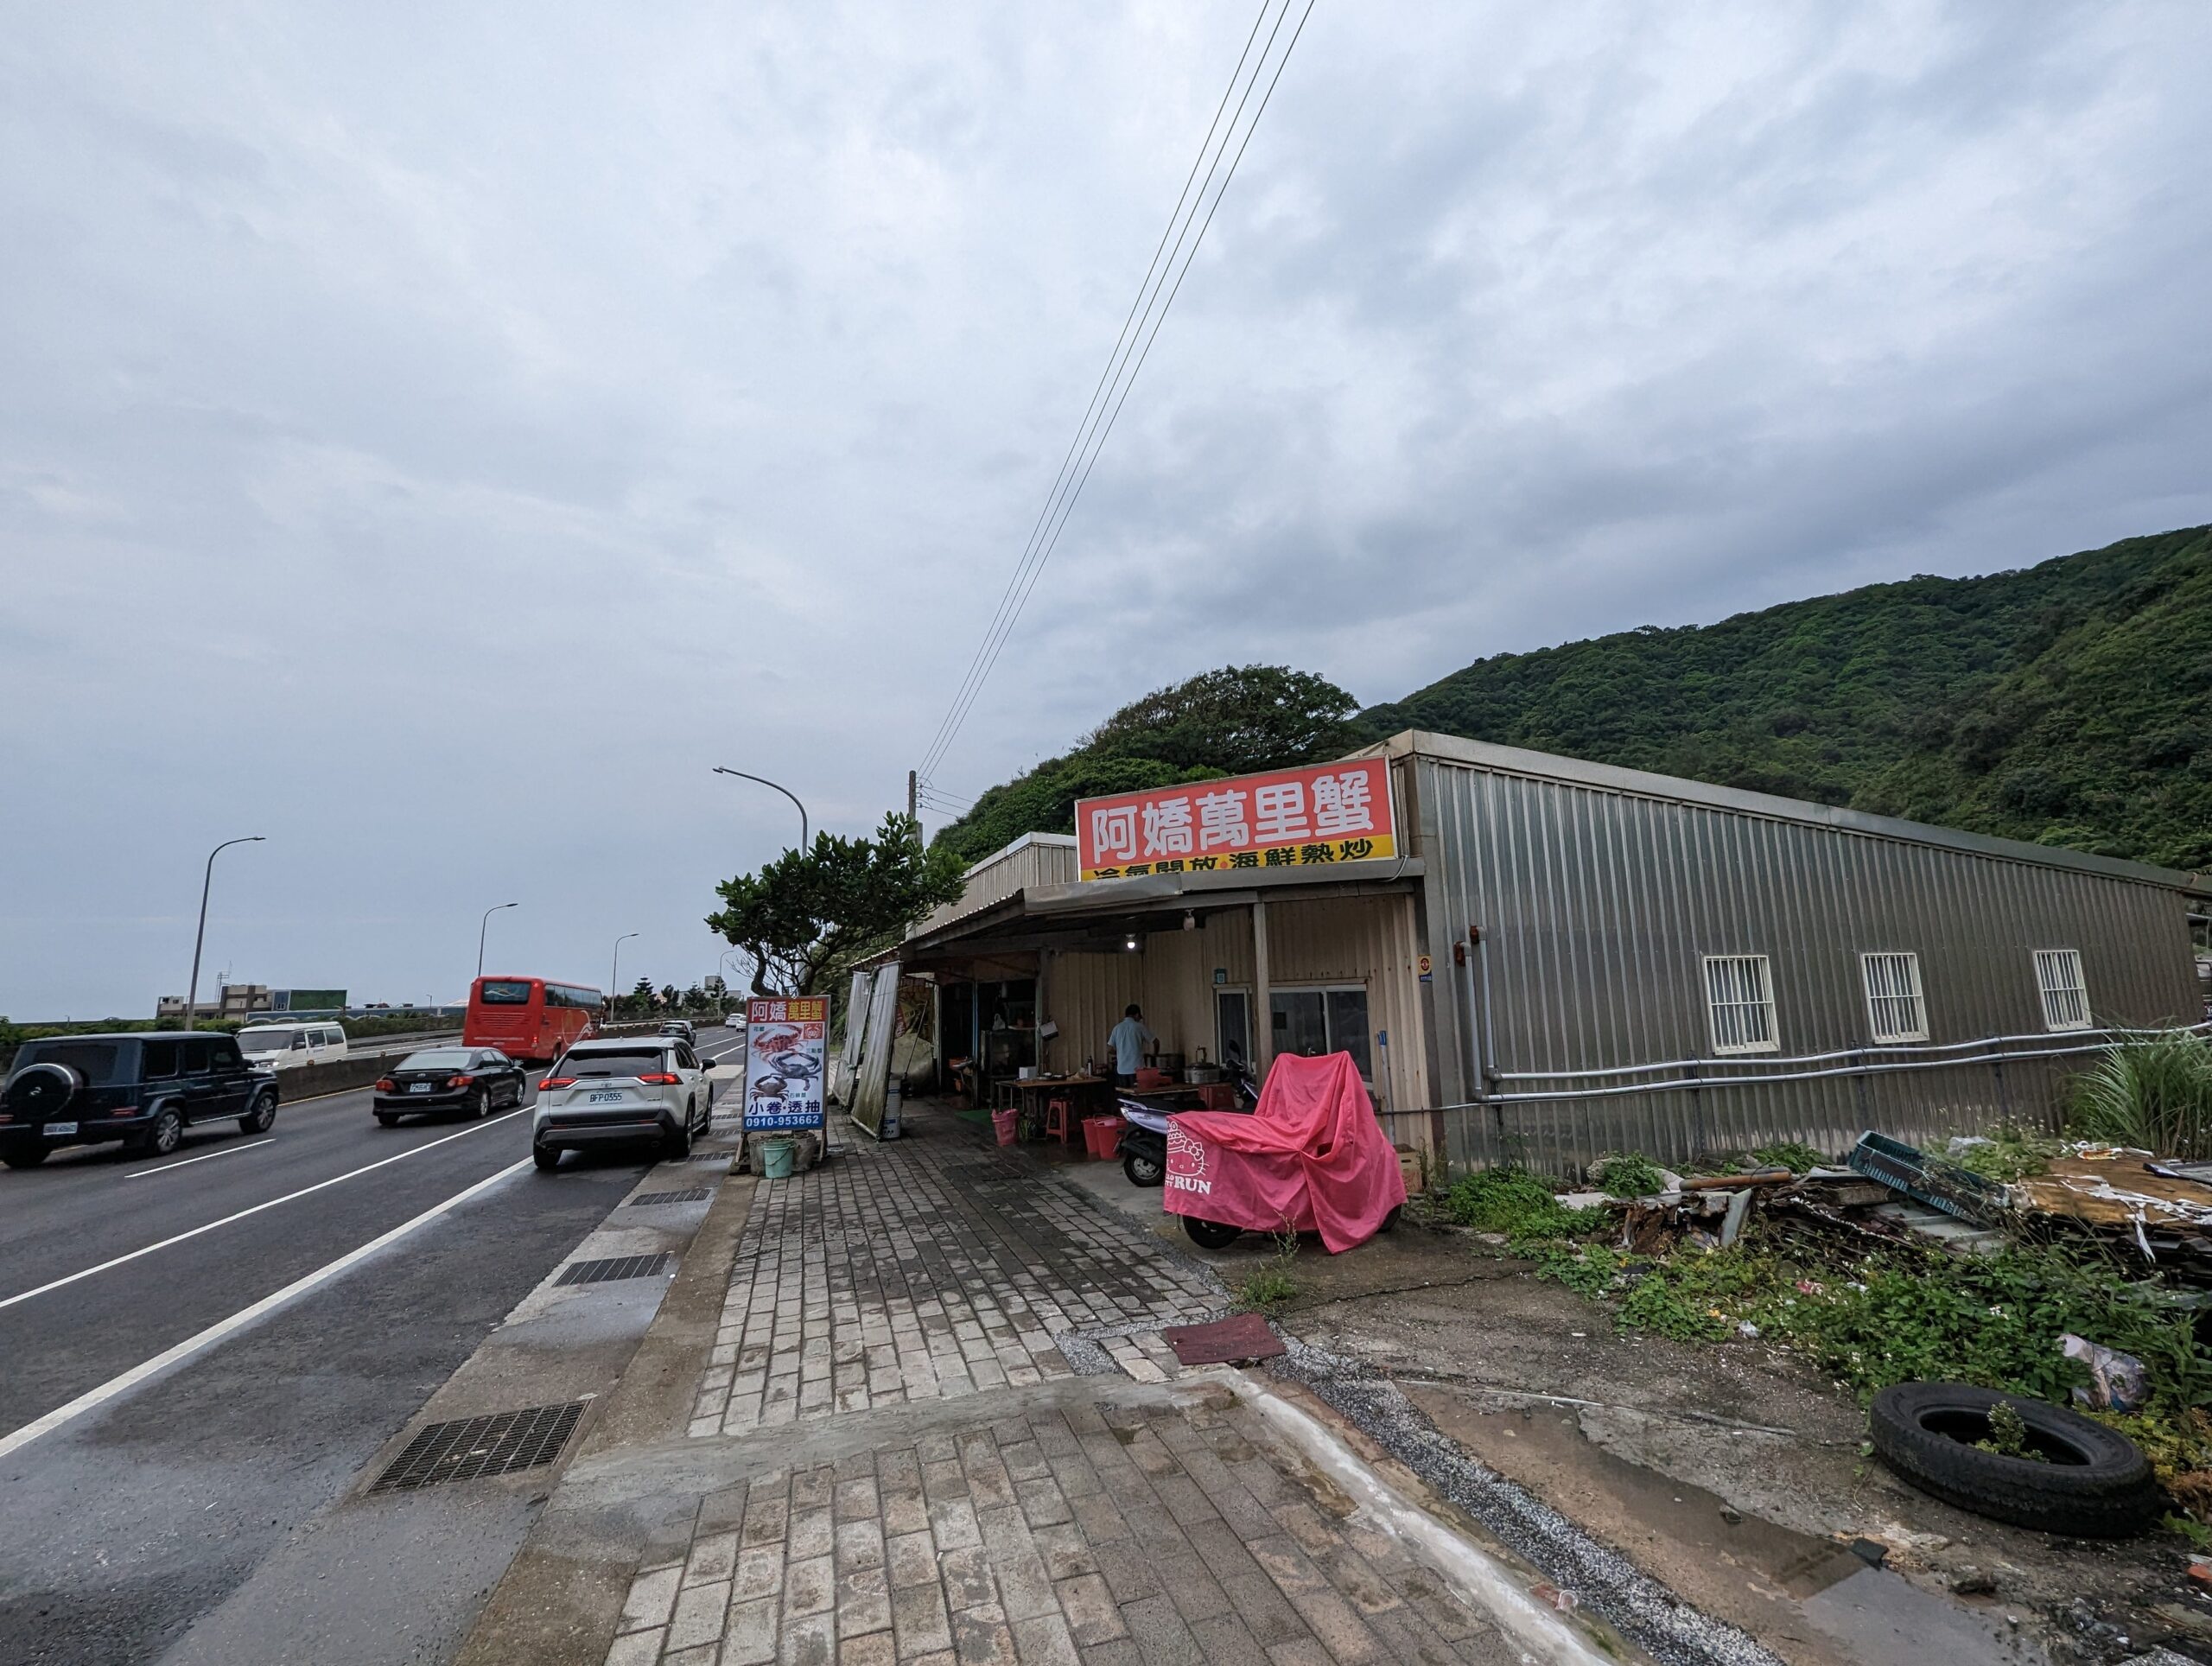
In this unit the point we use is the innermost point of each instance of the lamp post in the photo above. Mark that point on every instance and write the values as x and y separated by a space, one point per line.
614 978
192 990
803 840
484 927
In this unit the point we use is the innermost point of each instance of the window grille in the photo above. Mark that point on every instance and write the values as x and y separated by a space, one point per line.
2065 996
1739 995
1895 1009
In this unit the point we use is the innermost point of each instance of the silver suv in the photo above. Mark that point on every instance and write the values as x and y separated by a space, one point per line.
622 1090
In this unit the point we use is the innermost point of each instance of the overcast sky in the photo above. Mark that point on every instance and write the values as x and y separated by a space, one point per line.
431 436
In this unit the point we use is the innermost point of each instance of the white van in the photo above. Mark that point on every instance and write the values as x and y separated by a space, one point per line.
281 1047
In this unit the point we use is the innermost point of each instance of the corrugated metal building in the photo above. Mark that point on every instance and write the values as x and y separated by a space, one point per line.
1569 959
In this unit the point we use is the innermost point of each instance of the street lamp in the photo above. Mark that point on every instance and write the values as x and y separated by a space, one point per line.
614 978
484 927
802 839
192 990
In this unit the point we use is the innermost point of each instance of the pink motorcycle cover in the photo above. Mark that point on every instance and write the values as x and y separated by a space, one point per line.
1312 1154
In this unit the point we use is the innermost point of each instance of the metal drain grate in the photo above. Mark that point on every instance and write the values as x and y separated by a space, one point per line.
599 1272
689 1194
463 1450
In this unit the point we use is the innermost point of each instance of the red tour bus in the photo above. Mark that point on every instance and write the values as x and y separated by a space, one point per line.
529 1017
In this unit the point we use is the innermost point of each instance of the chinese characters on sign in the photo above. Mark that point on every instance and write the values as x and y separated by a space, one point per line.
1326 812
785 1041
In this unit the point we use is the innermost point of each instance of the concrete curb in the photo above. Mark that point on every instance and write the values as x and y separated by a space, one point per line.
1605 1582
556 1604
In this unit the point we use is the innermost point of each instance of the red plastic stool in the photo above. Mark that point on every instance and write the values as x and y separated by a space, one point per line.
1059 1121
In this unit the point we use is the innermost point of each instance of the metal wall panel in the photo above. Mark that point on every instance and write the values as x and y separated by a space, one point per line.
1033 859
1596 906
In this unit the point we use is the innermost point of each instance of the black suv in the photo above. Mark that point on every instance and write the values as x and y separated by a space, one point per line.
79 1089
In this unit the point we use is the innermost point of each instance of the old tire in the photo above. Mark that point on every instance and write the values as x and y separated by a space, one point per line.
29 1154
2097 1484
164 1134
261 1117
1210 1234
1143 1171
1390 1220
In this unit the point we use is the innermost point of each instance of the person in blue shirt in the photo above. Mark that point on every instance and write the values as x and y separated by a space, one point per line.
1127 1044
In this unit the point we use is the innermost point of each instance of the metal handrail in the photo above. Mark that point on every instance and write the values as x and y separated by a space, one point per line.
1741 1061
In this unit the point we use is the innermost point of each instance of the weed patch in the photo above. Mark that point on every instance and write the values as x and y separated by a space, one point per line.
2010 1155
1633 1176
1267 1289
1520 1204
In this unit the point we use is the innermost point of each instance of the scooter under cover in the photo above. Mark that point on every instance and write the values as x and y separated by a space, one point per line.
1311 1156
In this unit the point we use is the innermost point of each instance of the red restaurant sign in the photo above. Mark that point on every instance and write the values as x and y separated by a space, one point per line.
1286 818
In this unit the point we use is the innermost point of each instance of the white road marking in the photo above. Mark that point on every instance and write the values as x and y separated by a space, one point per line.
140 1174
412 1151
215 1333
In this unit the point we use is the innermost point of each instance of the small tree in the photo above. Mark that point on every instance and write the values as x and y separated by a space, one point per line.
810 914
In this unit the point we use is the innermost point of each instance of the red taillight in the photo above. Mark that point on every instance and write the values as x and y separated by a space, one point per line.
386 1085
458 1081
660 1078
556 1082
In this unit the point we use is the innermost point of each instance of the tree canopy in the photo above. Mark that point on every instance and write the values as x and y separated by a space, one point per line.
809 914
1229 721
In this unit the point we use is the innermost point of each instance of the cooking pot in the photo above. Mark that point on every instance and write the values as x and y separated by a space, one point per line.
1171 1063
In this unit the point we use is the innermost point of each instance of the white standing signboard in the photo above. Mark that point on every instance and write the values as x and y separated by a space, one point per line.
785 1041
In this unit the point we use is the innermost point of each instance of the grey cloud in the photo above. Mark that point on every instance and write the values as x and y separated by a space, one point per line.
562 405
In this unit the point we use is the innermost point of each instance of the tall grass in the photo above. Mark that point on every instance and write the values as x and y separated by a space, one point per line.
2155 1093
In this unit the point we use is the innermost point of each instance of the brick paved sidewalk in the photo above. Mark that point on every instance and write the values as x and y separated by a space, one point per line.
899 1458
929 1267
1166 1532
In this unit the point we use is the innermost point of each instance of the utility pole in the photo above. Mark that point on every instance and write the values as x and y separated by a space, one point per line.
910 794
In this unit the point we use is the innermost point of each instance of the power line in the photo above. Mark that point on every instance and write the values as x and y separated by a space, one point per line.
1038 570
1125 375
943 737
1150 314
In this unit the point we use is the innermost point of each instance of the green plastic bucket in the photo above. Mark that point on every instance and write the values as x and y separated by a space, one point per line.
778 1159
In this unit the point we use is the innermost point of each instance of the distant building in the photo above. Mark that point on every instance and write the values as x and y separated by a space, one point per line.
245 1000
234 1000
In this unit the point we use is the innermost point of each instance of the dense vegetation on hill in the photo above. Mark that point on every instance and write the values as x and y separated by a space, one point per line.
2068 703
1226 722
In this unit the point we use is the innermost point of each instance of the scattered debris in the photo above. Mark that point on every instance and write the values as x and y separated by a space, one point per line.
1949 1186
2117 1382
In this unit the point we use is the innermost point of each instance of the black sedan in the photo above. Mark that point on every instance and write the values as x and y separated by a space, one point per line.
471 1080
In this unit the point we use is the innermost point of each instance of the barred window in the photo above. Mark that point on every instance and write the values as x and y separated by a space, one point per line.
1739 995
1895 1009
2065 996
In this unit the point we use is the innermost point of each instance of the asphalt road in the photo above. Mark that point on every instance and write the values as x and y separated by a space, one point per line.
122 1524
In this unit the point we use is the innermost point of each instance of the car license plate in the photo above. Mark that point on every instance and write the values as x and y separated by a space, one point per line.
55 1130
607 1096
419 1087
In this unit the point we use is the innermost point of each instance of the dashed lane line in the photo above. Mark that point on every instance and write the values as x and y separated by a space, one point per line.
206 1156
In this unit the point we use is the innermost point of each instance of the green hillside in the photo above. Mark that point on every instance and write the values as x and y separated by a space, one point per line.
2068 703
